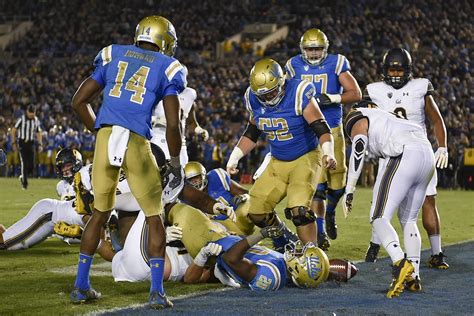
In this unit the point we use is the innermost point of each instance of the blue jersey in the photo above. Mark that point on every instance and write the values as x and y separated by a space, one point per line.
72 142
218 186
287 131
271 266
325 78
51 142
134 81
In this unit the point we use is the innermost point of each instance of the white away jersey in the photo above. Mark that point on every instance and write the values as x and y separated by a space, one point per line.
65 190
387 134
408 101
186 101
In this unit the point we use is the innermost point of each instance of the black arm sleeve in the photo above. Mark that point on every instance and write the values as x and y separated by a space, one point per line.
320 127
252 132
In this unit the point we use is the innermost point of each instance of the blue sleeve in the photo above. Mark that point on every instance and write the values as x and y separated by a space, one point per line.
290 71
175 79
100 62
342 65
268 277
303 99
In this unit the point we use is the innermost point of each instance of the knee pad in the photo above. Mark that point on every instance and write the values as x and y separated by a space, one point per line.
263 220
304 217
320 193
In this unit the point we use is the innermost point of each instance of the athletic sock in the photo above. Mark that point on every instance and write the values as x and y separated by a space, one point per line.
83 268
157 266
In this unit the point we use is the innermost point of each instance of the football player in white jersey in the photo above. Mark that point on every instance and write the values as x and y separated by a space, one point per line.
401 184
412 99
188 119
50 216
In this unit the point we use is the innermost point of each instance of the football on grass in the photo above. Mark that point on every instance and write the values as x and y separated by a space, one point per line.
341 270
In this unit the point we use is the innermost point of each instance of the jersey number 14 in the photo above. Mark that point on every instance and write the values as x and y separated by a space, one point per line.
136 83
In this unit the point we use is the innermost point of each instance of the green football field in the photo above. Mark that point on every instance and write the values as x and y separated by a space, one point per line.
38 280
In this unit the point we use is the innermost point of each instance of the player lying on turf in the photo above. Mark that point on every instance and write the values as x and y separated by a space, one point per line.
49 216
400 185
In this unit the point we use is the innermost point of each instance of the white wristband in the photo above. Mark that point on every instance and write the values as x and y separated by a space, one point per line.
235 156
328 149
200 260
335 98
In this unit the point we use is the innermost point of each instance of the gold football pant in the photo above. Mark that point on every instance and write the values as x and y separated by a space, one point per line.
198 229
336 179
140 169
293 179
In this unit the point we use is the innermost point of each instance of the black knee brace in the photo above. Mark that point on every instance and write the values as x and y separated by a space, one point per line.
304 217
263 220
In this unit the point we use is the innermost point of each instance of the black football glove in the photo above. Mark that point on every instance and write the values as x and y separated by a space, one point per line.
173 182
323 100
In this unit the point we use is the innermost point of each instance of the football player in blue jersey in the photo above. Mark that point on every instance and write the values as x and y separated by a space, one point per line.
287 112
218 184
335 86
133 78
263 269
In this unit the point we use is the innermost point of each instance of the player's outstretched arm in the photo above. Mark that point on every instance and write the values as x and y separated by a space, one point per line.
315 118
435 118
356 161
173 132
87 92
351 88
247 143
192 124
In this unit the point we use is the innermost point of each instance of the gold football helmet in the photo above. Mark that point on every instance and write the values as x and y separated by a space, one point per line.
195 174
267 81
308 265
314 38
157 30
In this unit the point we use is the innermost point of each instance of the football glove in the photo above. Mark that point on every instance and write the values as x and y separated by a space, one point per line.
222 209
272 231
173 182
441 157
238 199
202 132
347 203
323 99
173 233
66 230
211 249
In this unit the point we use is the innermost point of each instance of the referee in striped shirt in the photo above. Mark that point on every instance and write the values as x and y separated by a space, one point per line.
26 130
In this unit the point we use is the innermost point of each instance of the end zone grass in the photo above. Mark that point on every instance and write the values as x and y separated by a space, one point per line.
28 286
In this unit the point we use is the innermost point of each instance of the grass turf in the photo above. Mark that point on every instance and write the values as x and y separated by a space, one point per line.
29 286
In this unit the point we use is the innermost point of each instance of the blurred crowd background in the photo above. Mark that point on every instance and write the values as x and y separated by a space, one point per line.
47 65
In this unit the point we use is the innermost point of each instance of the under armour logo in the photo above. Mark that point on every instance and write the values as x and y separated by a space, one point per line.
156 265
263 111
321 67
405 94
398 101
83 260
390 95
117 158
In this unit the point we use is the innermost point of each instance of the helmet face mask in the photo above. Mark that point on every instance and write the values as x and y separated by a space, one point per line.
267 82
158 31
307 264
396 61
68 163
314 46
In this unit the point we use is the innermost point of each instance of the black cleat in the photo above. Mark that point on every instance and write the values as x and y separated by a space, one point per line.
323 241
438 262
159 301
331 226
83 296
413 284
372 252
